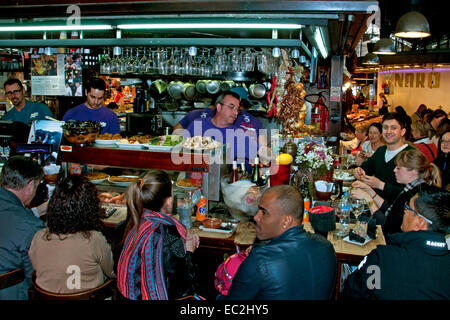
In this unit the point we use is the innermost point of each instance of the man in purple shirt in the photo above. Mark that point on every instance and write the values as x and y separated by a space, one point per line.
93 109
241 137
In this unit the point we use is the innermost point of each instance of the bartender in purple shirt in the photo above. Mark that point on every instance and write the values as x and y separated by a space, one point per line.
93 109
245 120
225 127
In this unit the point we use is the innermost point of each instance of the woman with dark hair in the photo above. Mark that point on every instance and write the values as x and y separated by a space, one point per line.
412 170
155 263
369 147
442 159
71 254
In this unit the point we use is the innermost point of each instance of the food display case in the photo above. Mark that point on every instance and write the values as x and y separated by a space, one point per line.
209 163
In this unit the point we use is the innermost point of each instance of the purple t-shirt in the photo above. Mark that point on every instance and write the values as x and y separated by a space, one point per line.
243 143
102 114
191 116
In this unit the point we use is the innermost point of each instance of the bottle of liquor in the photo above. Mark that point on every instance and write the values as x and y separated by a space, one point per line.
244 175
256 174
235 172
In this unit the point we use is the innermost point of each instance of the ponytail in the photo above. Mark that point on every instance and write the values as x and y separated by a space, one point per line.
434 176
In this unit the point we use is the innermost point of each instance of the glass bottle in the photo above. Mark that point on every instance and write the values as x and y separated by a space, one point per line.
256 175
234 173
244 175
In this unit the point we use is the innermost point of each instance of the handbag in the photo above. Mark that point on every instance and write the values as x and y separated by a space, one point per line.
224 274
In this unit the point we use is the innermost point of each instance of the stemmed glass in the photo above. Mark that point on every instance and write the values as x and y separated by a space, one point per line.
357 208
105 64
335 191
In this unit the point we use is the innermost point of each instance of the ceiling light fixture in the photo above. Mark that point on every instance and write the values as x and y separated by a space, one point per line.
384 46
210 26
412 25
371 59
55 28
318 37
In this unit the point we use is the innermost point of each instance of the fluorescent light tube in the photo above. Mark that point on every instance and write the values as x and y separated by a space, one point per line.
320 43
209 26
56 28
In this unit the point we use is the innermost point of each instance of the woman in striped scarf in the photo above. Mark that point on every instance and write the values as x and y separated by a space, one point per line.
155 263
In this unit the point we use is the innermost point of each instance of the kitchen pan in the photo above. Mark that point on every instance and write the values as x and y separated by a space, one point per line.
201 86
212 86
189 91
257 90
226 85
175 88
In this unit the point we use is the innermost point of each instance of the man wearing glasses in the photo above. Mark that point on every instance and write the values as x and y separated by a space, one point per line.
416 265
223 127
20 178
24 110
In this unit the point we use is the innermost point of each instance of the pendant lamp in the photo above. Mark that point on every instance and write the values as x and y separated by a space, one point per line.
412 25
370 59
384 46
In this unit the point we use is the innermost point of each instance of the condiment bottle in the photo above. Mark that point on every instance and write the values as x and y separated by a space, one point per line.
234 173
306 204
201 208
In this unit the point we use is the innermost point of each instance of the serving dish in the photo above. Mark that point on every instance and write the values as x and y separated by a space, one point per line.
347 239
124 183
133 146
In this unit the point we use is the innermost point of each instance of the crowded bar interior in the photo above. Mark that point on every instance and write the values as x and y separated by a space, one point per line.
224 150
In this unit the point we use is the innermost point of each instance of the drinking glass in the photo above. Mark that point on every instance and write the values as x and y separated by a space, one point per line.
343 212
357 208
105 64
248 60
335 191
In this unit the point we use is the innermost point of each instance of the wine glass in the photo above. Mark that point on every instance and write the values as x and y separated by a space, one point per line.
357 208
335 191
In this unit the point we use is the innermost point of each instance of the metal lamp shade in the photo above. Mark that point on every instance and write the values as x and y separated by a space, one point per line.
384 46
412 25
371 59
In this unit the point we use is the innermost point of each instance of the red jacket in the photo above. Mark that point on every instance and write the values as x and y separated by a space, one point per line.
428 149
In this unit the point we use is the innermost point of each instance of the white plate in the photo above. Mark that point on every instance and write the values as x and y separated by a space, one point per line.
99 180
106 142
347 239
133 146
215 230
153 147
122 184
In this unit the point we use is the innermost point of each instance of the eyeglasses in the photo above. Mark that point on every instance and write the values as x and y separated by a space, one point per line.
233 107
407 207
10 93
445 141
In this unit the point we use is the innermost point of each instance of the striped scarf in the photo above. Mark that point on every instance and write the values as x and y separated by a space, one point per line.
410 186
140 273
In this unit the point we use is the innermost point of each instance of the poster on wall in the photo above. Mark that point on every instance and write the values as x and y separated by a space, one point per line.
72 75
47 74
323 74
47 132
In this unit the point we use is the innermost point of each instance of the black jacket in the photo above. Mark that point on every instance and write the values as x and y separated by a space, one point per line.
295 265
415 266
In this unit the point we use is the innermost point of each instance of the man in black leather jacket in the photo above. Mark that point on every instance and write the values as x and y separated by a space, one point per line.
416 265
293 264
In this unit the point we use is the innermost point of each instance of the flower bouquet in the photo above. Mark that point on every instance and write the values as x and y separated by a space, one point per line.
315 162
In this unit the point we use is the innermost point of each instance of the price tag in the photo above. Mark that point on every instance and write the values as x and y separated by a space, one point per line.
75 169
